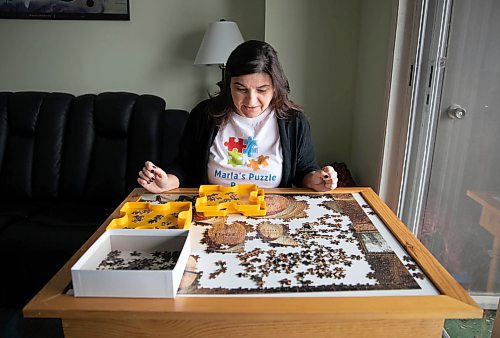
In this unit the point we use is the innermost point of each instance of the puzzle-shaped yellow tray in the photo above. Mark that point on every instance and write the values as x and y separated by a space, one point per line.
217 200
145 215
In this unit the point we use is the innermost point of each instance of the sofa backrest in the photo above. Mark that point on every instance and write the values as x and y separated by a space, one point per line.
90 147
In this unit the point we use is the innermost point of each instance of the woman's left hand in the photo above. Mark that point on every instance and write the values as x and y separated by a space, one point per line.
321 180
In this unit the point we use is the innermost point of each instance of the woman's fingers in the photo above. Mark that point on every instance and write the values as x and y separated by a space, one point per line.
148 174
150 165
329 176
153 178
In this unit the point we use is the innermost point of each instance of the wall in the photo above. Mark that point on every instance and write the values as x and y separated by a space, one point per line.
372 90
337 55
317 46
152 53
334 52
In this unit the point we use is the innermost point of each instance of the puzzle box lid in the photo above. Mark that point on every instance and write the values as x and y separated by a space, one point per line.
91 281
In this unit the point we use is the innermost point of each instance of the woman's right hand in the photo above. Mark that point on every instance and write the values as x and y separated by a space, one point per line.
153 178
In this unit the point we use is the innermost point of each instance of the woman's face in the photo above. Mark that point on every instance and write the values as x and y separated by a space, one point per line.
252 93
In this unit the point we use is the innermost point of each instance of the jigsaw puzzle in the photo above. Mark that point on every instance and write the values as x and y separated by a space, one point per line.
334 244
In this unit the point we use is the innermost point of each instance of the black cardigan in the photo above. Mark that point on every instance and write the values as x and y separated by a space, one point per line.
200 131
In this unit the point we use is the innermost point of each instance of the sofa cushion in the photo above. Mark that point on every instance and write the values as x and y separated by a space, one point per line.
72 214
65 163
21 207
35 247
5 220
15 210
32 127
36 236
90 147
109 138
171 138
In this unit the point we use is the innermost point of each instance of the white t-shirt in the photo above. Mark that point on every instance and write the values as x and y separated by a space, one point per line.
247 151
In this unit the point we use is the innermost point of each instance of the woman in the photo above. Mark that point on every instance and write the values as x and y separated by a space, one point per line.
251 132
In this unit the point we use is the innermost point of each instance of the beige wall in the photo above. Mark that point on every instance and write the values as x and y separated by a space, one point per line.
372 90
152 53
337 57
317 42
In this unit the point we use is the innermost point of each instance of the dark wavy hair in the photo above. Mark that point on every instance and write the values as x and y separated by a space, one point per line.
252 57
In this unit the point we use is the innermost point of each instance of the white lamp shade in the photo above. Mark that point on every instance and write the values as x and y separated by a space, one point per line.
219 41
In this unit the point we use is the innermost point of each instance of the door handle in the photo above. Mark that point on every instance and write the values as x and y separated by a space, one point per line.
455 112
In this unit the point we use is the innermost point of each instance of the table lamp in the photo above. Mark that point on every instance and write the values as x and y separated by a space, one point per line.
218 42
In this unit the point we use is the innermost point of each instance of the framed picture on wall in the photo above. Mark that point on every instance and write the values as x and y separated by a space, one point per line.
65 9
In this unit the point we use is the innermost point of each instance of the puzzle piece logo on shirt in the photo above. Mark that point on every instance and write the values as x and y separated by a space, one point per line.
256 164
235 158
232 145
251 147
237 147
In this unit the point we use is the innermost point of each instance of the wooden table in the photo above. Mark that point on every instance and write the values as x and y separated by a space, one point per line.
395 316
490 220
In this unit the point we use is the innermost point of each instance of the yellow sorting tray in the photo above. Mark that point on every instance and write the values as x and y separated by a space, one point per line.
145 215
217 200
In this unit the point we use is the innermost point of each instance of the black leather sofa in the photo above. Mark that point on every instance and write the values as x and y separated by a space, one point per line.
65 163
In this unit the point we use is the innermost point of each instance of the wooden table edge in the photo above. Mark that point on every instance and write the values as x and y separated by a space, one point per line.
47 303
383 307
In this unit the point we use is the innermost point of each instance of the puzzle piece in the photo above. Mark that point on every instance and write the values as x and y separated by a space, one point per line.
255 164
263 160
232 145
251 146
235 158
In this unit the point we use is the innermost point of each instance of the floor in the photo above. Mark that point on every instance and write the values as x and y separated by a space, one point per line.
471 328
12 325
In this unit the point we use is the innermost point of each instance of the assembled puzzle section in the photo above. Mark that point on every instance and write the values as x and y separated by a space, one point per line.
139 263
145 215
306 243
217 200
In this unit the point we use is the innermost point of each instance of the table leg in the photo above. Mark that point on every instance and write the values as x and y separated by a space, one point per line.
490 221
